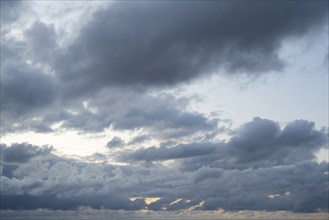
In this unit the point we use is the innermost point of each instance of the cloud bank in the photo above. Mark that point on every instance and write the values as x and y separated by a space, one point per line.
119 74
279 173
143 47
165 43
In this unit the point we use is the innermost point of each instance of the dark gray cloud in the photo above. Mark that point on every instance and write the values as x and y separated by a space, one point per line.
53 182
258 143
262 139
87 87
49 181
28 88
30 91
11 11
139 139
142 44
164 43
170 121
24 88
160 116
276 188
21 153
115 142
301 133
42 42
26 93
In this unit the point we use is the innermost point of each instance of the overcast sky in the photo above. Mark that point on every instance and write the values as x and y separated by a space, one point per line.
165 105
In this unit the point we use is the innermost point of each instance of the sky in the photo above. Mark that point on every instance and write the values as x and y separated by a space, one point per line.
216 108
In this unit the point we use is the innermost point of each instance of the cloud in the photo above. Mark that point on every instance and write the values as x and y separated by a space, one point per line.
165 118
45 180
139 139
160 116
254 142
252 189
10 11
21 153
165 43
26 93
167 153
111 76
139 45
258 143
255 139
262 139
28 88
42 42
53 182
24 88
115 142
301 133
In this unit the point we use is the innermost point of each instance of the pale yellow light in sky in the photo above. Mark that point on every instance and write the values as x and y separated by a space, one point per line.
148 200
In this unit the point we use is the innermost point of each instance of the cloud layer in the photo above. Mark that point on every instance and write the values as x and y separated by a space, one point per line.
141 46
118 75
165 43
278 173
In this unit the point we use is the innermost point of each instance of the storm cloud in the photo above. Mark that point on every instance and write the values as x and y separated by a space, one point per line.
165 43
255 142
25 89
55 182
161 115
143 45
115 142
124 77
28 88
21 153
230 175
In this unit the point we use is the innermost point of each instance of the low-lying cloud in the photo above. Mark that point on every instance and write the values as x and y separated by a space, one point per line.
207 176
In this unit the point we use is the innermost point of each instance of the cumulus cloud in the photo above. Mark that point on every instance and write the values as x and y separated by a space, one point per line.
165 43
55 182
228 175
160 116
21 153
254 188
61 183
258 143
142 44
27 86
24 88
115 142
262 139
26 92
139 139
111 76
